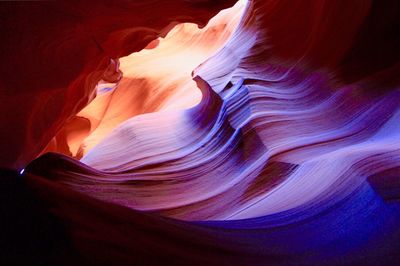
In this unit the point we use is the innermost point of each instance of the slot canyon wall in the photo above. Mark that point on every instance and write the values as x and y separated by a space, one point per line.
200 132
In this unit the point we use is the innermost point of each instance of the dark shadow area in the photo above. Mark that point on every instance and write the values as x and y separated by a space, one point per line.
30 235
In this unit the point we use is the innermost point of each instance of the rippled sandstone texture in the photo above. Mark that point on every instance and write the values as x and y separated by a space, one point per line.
289 156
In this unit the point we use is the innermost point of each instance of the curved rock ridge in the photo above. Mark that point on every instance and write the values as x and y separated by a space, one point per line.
220 159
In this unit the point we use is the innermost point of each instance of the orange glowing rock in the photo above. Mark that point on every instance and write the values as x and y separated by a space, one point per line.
157 78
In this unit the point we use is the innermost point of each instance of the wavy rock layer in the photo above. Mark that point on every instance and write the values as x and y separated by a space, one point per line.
291 156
